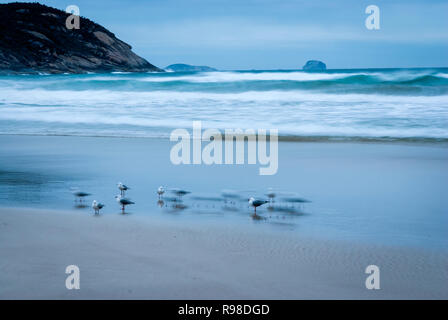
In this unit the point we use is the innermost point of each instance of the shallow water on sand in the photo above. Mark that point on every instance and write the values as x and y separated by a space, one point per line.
377 193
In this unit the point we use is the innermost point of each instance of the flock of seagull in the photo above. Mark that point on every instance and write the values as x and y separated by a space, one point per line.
97 206
124 201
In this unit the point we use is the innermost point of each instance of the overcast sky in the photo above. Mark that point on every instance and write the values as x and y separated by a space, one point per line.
276 34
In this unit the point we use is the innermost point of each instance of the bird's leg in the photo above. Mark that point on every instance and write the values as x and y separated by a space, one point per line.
122 209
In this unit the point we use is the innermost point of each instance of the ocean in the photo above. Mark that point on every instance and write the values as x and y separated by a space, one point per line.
342 104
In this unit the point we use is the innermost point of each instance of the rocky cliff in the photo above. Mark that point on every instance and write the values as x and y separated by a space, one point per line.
34 38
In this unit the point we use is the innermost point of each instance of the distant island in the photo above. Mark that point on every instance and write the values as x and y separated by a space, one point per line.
181 67
34 39
314 65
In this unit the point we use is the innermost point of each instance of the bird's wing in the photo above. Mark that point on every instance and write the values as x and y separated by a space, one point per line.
259 202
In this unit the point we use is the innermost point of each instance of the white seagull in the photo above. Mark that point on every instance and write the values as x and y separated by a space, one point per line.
122 188
160 191
97 206
123 202
256 203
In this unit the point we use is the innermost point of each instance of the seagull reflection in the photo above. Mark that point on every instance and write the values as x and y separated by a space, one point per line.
180 206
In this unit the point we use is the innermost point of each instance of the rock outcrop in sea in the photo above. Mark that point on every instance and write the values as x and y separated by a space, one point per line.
314 65
181 67
34 38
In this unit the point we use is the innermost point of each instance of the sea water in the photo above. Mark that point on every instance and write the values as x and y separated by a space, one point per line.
386 103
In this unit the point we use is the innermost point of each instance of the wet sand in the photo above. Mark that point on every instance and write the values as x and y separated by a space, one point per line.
374 193
138 257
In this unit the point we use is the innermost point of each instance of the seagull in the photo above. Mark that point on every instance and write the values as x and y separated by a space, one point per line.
160 191
230 195
271 194
256 203
123 202
122 188
179 192
97 206
79 194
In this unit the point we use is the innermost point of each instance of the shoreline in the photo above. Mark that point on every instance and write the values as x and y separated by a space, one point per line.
281 138
129 259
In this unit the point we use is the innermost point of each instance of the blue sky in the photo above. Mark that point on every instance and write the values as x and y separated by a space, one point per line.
276 34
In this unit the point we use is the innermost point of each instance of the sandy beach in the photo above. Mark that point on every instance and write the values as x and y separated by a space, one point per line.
134 257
